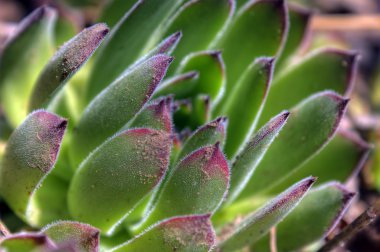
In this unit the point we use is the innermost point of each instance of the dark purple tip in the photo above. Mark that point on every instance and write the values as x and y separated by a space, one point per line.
347 197
170 43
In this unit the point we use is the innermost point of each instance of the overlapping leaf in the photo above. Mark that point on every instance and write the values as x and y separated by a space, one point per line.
117 175
22 59
128 41
30 154
197 185
246 38
189 233
335 69
311 125
67 60
245 102
316 215
243 166
116 105
253 227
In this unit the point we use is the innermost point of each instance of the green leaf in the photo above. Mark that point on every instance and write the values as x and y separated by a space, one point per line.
197 185
208 134
244 165
26 242
179 86
117 175
311 125
82 237
116 105
49 201
114 10
240 3
253 227
246 38
245 102
200 21
336 70
210 67
188 233
157 115
201 110
315 217
299 22
341 159
128 41
65 63
30 154
22 59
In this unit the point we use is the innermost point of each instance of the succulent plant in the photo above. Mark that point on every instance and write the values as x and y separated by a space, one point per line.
177 135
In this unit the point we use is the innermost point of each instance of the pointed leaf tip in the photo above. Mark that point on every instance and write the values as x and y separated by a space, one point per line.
245 103
67 61
256 225
170 43
113 109
157 115
346 198
245 163
31 153
197 185
315 216
208 134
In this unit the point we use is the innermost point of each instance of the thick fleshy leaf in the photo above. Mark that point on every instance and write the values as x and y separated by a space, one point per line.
188 233
253 227
128 41
26 242
246 38
83 237
341 159
179 85
311 126
299 20
117 175
167 46
22 59
244 104
211 80
317 214
336 70
67 60
116 105
157 115
208 134
200 21
244 165
30 154
197 185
